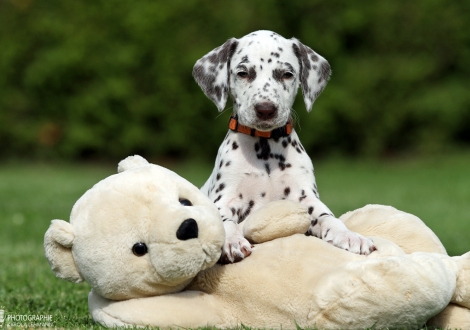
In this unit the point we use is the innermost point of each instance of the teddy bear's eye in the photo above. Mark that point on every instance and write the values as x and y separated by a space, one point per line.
139 249
185 202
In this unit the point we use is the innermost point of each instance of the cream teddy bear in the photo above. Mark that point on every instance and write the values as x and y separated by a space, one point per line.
147 242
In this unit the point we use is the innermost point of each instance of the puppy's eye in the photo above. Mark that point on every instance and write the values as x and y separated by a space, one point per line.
139 249
287 75
242 74
185 202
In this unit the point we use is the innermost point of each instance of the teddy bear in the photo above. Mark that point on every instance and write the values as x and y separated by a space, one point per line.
148 241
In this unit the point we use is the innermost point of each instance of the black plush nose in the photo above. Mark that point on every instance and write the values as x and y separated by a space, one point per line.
265 110
187 230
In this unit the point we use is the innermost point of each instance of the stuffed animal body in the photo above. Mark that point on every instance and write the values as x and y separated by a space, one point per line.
290 280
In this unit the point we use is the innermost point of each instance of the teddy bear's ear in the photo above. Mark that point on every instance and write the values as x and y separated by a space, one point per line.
131 162
58 242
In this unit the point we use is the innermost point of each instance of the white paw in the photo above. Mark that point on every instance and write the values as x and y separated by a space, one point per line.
349 241
235 249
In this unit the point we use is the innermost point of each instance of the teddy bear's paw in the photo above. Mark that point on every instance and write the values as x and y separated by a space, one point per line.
349 241
235 249
131 162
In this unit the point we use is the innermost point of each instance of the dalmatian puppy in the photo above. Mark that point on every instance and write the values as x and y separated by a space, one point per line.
261 158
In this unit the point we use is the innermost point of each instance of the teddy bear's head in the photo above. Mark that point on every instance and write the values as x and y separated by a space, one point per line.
143 232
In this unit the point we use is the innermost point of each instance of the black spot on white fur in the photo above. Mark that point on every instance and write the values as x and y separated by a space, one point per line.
268 169
302 195
262 149
277 74
220 188
251 75
242 215
286 191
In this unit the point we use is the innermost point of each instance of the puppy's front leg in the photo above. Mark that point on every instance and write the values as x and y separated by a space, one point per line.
324 225
236 246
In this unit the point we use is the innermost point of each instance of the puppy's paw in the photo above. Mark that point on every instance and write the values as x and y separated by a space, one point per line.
349 241
235 249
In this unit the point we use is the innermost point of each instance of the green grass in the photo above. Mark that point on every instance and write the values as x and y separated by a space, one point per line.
435 189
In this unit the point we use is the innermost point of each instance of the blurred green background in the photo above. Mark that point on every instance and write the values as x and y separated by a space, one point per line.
105 79
84 84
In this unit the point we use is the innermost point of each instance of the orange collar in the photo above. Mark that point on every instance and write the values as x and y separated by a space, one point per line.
275 133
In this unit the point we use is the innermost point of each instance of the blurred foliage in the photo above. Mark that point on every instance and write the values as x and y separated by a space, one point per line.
109 78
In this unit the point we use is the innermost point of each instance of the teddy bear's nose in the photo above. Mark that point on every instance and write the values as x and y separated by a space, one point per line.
187 230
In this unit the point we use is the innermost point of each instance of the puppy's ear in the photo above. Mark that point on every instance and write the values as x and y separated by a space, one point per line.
211 72
314 72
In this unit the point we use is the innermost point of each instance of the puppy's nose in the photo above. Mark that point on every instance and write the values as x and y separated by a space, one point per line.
187 230
265 110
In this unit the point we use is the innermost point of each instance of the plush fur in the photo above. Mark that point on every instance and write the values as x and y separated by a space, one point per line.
147 242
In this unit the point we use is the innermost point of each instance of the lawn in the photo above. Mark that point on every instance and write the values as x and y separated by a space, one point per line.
435 189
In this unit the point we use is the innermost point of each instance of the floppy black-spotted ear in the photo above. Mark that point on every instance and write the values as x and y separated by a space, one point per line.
314 72
211 72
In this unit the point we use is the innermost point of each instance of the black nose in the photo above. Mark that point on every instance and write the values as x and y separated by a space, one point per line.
265 110
187 230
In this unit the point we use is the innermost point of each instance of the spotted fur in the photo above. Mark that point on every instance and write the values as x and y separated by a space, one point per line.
262 72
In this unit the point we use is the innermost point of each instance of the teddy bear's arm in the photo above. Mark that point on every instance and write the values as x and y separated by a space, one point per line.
187 309
275 220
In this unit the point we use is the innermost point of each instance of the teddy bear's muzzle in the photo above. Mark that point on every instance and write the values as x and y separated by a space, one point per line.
187 230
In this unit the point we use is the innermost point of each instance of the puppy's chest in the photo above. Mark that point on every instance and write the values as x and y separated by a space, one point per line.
258 165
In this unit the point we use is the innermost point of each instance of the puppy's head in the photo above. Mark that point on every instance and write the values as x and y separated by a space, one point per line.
262 72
